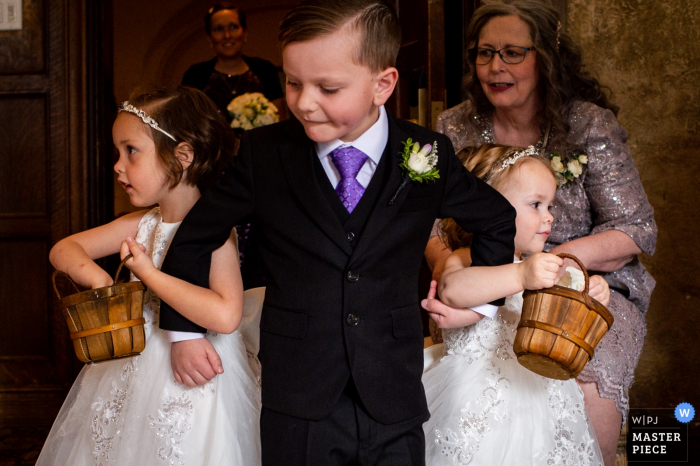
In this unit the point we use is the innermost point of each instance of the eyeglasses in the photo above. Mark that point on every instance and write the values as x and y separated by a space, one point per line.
510 55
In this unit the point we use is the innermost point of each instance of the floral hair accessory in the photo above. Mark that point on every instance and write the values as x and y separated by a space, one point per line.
418 164
573 169
530 151
127 107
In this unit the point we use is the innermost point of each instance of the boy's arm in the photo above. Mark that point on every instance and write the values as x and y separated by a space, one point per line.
218 308
481 210
205 228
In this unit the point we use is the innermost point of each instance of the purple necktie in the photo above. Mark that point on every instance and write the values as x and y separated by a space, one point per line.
349 161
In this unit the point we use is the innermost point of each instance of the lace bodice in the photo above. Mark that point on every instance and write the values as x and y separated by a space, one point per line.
489 337
155 235
608 194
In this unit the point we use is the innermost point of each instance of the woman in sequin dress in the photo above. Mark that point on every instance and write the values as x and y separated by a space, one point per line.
527 86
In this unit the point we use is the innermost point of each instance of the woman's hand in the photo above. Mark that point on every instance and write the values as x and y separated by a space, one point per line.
446 316
599 289
540 270
141 264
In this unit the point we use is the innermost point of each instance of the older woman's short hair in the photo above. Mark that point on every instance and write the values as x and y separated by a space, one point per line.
563 77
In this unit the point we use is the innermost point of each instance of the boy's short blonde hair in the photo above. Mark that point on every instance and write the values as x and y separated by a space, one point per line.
375 20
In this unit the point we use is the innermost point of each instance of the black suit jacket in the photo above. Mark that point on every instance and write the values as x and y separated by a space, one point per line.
316 278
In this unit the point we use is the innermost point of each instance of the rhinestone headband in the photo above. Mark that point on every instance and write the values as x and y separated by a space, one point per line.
127 107
530 151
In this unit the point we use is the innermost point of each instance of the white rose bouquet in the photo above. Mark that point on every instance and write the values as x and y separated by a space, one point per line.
252 110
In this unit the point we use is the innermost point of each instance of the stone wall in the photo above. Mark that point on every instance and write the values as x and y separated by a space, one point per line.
648 53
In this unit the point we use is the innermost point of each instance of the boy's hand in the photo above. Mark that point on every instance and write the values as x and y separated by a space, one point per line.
194 362
446 316
141 263
540 271
599 289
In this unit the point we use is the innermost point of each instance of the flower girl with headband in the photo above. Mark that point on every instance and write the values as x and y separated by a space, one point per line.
486 409
171 144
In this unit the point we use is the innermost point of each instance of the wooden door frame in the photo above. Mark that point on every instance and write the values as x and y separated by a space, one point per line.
76 82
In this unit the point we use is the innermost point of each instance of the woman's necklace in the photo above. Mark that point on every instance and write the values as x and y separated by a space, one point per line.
228 78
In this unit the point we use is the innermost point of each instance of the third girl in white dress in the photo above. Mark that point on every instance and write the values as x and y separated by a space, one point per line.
486 409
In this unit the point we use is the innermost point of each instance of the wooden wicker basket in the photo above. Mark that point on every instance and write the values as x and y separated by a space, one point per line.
105 323
559 329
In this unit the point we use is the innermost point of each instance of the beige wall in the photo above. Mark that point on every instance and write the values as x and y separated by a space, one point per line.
155 41
648 53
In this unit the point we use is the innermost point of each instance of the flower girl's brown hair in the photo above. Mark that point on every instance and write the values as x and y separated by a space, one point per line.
191 117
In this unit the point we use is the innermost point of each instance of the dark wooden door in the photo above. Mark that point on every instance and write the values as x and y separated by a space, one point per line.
54 156
420 92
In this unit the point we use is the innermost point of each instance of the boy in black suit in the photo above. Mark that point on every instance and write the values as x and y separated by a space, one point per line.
343 225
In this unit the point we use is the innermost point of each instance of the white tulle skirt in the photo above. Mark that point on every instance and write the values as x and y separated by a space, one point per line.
132 412
490 412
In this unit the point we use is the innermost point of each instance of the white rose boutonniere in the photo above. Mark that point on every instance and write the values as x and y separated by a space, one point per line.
573 169
418 164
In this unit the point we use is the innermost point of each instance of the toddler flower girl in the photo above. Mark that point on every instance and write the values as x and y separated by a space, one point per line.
486 409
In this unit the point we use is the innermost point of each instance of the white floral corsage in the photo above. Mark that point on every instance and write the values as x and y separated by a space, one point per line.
418 164
571 171
251 110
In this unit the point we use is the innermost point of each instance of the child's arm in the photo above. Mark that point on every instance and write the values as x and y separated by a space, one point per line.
75 254
462 287
218 308
445 316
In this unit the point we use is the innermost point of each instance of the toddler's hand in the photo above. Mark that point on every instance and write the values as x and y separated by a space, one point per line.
194 362
446 316
140 264
599 289
540 271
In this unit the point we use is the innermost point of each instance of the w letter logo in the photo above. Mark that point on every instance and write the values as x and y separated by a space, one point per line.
685 412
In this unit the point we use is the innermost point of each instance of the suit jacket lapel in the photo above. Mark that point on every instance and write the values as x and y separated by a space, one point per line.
297 161
383 213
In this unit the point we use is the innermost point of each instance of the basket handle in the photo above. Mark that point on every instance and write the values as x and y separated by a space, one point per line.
121 264
57 273
586 296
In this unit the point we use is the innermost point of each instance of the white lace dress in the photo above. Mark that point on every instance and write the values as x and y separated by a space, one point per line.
132 412
488 410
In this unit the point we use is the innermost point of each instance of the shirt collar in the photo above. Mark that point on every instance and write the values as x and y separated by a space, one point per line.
372 142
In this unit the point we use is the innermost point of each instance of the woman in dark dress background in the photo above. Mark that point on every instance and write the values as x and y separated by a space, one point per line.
231 73
225 77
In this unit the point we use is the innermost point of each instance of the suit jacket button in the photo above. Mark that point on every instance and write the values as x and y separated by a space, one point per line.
351 236
353 276
352 320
